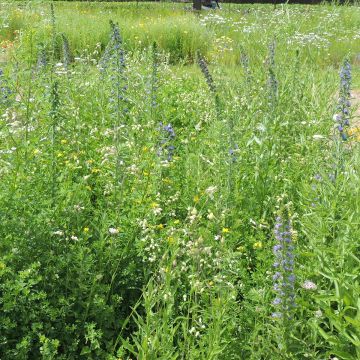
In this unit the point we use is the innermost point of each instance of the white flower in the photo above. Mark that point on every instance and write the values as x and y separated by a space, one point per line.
157 210
58 232
192 330
210 216
210 191
113 231
78 208
336 117
309 285
318 137
318 313
75 238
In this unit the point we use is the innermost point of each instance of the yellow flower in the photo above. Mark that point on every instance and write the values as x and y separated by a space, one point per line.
36 152
145 173
196 198
225 230
170 240
95 170
160 226
86 229
258 245
154 205
176 221
241 249
63 141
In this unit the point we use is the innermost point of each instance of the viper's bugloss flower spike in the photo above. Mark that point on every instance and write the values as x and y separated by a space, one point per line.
166 147
5 91
284 277
342 118
272 81
66 51
205 70
244 60
41 58
154 75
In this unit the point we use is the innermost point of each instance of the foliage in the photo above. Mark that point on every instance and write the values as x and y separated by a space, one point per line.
140 191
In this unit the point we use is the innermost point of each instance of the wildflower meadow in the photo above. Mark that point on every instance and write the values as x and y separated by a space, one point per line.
178 184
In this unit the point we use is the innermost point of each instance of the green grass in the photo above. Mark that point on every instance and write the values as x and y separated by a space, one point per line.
111 251
324 34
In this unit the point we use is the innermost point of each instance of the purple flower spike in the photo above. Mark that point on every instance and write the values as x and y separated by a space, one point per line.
284 278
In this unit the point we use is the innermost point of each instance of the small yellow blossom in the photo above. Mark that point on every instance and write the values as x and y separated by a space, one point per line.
86 229
225 230
177 221
241 249
196 198
36 152
145 173
95 170
258 245
160 226
63 141
154 205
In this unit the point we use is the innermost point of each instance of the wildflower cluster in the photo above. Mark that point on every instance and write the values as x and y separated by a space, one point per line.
284 277
343 116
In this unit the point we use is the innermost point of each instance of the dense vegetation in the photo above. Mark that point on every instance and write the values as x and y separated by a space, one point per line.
179 186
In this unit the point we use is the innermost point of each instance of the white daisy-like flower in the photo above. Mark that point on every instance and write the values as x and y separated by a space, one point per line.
113 231
309 285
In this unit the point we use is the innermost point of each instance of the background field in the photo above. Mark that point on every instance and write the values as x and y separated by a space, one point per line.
139 198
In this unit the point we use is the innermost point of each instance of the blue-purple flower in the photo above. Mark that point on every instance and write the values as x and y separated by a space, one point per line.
167 148
342 118
284 277
5 91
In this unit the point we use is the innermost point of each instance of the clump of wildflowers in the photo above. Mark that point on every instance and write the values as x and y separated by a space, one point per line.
343 116
284 277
